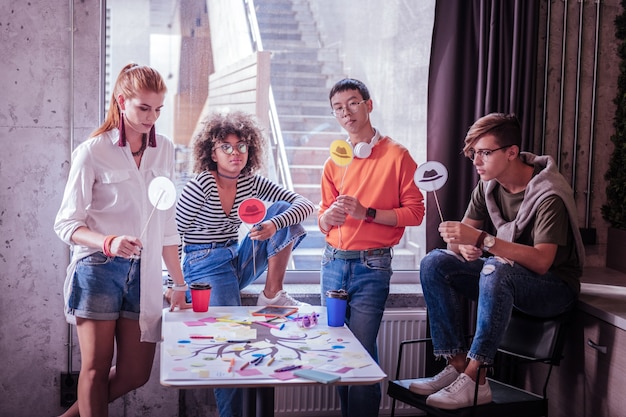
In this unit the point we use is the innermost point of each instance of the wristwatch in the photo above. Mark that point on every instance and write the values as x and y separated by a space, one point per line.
370 215
488 242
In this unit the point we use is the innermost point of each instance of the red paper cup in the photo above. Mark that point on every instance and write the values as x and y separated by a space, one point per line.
200 296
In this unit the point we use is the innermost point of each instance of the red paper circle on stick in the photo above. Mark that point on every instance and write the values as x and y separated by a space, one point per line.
251 211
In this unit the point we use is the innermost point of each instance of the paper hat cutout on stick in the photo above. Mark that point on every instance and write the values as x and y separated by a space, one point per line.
341 152
251 211
431 176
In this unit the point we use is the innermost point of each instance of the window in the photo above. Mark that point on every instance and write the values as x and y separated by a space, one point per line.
312 45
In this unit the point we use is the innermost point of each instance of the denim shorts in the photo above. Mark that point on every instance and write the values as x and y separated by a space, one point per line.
105 288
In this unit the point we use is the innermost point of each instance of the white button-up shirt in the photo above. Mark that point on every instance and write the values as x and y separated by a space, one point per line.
107 193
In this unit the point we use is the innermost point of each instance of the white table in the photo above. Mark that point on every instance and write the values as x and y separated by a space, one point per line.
191 362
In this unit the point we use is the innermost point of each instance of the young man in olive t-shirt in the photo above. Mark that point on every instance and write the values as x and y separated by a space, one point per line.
518 245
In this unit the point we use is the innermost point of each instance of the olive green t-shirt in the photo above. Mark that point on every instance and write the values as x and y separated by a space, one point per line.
550 225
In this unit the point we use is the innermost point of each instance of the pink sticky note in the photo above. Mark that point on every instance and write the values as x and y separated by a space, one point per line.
208 320
194 323
249 372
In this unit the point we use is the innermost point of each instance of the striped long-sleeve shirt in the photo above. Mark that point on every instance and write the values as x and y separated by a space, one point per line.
201 219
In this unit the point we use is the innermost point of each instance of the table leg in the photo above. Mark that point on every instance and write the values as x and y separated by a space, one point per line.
258 402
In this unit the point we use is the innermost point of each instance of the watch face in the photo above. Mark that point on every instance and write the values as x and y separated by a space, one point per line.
489 242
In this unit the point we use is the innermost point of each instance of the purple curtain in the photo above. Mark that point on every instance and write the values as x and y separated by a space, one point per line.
483 60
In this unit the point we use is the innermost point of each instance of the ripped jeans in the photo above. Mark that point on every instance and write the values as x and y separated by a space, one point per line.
497 286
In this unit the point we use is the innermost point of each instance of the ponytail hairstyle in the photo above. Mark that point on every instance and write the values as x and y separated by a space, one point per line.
131 81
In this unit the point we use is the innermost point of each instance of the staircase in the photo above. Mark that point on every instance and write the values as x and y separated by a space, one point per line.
302 73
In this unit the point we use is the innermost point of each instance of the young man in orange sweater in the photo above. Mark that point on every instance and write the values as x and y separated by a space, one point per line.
364 209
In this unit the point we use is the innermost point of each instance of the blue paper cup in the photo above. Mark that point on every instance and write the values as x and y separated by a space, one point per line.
336 303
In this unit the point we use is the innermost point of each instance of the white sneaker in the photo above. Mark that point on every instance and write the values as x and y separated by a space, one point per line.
427 386
460 394
280 299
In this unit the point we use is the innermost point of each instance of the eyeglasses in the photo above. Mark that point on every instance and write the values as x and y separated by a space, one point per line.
228 149
483 153
306 321
352 107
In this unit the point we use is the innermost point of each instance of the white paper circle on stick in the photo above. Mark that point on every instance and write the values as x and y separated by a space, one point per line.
162 193
431 176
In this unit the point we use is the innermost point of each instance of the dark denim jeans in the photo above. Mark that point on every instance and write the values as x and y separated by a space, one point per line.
498 286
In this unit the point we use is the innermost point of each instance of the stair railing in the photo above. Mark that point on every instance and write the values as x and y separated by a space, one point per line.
283 173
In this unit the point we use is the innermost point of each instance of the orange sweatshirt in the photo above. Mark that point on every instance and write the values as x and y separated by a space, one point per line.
382 181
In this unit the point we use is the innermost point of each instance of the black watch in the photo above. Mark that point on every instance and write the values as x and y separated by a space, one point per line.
370 215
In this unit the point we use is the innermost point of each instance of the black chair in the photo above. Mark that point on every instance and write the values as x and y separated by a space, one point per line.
527 340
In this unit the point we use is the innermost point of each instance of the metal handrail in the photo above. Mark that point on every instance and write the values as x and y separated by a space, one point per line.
283 173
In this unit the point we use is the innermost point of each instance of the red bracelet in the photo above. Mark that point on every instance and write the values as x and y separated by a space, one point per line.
106 246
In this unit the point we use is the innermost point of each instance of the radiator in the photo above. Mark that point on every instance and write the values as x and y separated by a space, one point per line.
319 400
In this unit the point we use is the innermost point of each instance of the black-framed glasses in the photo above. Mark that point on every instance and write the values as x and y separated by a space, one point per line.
228 149
483 153
352 108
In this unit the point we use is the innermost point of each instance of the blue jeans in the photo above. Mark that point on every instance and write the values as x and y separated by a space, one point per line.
366 279
229 268
498 287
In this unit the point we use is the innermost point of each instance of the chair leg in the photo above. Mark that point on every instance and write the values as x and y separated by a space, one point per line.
393 407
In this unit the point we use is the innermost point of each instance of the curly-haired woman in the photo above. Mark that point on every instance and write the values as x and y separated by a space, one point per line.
227 154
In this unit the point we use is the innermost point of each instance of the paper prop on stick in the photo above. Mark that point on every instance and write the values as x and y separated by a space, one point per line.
252 211
341 152
162 195
431 176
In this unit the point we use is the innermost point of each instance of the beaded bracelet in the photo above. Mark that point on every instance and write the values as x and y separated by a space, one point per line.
106 245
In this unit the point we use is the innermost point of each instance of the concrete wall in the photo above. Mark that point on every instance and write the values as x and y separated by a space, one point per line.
44 108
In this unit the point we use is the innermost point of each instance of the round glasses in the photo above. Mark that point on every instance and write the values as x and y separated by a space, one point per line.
228 149
352 108
484 154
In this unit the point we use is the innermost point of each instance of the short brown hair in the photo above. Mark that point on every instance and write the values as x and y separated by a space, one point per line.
505 127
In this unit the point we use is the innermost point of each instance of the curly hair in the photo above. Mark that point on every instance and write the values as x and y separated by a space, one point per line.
214 131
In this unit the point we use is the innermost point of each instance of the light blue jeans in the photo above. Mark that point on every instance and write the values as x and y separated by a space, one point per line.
498 287
228 267
366 279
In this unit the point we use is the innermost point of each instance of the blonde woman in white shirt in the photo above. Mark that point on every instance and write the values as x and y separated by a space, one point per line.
113 289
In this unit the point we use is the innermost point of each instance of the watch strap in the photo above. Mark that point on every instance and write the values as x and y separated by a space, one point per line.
370 215
481 239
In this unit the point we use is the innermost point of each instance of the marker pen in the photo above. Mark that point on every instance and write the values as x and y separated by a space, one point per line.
288 368
273 326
